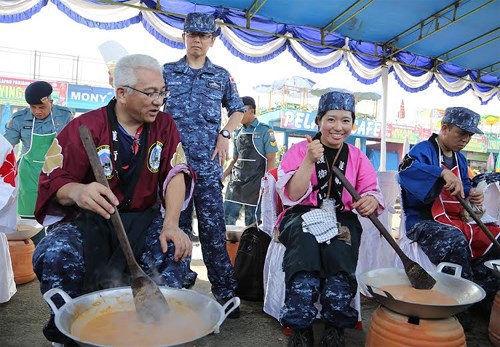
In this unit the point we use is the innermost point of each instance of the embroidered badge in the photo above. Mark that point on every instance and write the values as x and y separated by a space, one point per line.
214 85
179 156
104 154
154 156
406 163
53 158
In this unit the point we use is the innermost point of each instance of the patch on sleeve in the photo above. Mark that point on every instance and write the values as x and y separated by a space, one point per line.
8 170
231 79
53 158
154 157
406 163
271 135
179 156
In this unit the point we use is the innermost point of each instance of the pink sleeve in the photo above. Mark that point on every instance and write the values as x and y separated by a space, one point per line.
361 173
288 166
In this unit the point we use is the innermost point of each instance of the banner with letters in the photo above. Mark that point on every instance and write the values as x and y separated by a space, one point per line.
12 91
88 97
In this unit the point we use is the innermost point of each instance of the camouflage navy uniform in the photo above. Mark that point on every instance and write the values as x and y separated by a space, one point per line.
195 104
443 242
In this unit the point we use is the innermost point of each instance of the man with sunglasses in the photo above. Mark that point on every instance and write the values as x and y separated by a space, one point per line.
141 153
254 153
199 89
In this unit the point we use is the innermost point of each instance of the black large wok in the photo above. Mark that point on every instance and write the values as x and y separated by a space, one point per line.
462 290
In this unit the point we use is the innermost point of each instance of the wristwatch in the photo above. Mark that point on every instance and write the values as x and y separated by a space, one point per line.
225 133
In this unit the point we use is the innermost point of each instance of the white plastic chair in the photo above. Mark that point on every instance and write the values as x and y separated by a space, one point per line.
492 200
274 277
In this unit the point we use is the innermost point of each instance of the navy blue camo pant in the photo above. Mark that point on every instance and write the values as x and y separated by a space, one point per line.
441 242
58 263
335 292
207 199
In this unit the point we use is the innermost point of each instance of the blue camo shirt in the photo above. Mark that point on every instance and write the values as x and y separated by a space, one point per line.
19 128
195 102
263 137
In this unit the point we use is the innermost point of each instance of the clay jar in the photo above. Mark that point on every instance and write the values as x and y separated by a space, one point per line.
390 329
494 326
21 253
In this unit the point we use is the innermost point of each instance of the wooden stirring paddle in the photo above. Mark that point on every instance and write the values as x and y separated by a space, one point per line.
150 303
479 222
419 278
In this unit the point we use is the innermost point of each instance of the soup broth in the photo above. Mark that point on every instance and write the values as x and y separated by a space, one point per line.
123 328
406 293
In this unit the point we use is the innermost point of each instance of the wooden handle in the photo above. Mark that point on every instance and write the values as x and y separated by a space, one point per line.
95 163
372 217
478 221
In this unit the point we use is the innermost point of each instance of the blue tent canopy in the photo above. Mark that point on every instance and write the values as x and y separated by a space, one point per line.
453 42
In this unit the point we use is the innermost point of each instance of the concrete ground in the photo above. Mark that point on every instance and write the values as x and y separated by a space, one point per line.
22 319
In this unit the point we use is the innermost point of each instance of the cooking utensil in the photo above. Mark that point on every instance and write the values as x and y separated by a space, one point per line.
494 265
150 303
419 278
120 299
462 290
478 221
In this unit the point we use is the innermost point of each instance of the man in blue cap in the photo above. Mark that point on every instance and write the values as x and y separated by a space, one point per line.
431 175
35 127
198 89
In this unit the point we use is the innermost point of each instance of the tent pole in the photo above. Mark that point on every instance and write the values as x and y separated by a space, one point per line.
383 147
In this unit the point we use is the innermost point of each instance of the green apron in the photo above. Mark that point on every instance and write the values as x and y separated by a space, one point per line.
30 167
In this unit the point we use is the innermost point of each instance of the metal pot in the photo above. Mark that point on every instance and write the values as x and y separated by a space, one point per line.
212 314
462 290
494 265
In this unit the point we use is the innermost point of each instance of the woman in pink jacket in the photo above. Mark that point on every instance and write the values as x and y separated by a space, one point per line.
320 230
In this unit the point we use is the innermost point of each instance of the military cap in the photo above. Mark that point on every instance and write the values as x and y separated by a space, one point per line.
336 101
248 101
197 22
463 118
37 92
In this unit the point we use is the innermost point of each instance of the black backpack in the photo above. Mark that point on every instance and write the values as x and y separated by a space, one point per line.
249 263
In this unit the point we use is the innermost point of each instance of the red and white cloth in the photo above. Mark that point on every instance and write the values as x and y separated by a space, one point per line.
8 219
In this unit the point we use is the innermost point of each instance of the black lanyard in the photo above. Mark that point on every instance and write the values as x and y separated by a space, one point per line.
136 164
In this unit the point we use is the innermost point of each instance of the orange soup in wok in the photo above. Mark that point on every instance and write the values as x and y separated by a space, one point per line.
123 328
406 293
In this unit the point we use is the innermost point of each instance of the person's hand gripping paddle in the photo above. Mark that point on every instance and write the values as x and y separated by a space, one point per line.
419 278
150 304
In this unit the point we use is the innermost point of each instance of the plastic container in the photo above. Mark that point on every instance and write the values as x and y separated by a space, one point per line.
390 329
21 254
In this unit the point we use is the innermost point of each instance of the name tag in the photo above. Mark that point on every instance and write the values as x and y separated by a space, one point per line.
27 127
214 85
174 83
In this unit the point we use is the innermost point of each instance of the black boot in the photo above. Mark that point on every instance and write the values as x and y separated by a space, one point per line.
333 337
301 338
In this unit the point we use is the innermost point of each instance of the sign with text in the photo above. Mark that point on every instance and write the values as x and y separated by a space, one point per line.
87 97
12 91
304 120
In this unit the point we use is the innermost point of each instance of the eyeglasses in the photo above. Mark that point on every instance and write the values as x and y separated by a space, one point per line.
153 95
202 36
